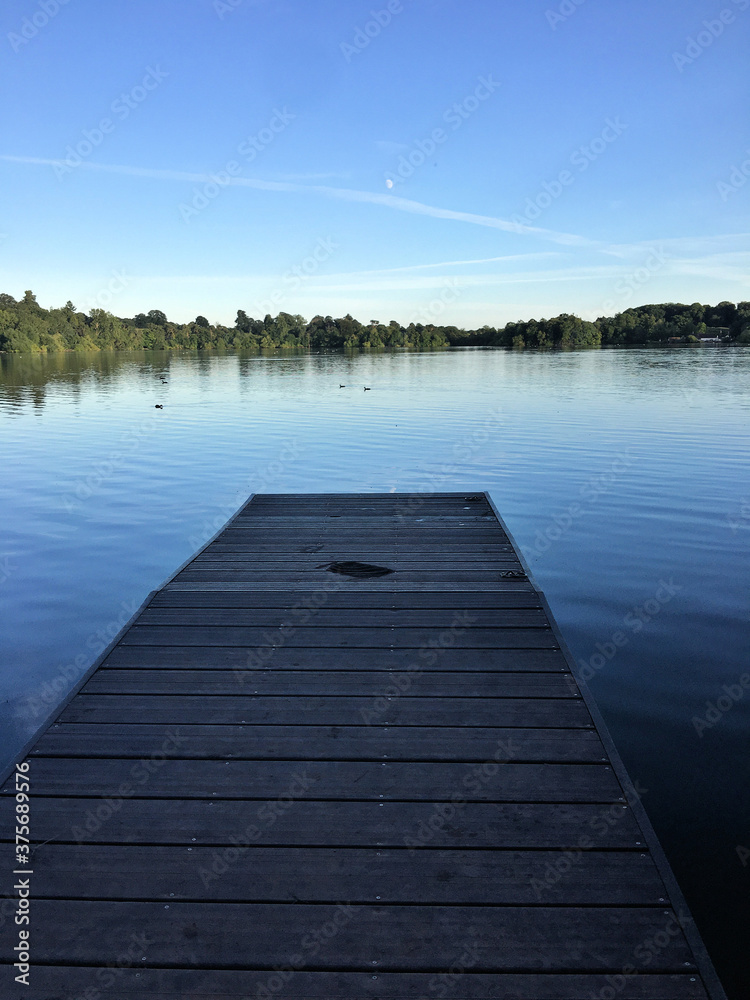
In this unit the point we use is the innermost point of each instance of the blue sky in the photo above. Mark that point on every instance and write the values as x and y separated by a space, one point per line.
429 160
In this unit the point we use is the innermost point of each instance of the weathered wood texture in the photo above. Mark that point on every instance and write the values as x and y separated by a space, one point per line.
288 781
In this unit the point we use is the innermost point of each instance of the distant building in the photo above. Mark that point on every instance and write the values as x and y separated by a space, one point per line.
714 335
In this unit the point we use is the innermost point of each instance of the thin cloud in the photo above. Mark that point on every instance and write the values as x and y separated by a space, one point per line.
675 246
381 281
341 194
301 178
681 245
455 263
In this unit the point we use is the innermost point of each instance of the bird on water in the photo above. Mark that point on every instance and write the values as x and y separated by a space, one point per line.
367 388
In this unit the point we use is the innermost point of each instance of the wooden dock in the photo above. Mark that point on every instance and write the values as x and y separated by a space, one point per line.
341 755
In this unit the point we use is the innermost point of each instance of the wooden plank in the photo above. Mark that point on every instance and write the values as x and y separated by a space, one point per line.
387 518
392 513
384 519
375 683
312 576
518 597
304 502
349 501
346 619
305 779
364 509
264 934
355 539
392 526
375 510
292 538
321 743
408 506
283 550
362 535
240 659
397 562
319 875
456 509
62 982
395 582
341 585
309 562
381 556
272 743
370 496
322 710
413 825
374 638
483 592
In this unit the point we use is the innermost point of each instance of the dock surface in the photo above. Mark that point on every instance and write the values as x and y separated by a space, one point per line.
342 754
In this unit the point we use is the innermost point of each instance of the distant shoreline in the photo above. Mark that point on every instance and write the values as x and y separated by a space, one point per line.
317 351
28 328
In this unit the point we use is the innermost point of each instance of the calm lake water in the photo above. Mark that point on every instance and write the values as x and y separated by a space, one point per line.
623 475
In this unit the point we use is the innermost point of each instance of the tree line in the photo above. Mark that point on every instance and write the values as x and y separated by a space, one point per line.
26 327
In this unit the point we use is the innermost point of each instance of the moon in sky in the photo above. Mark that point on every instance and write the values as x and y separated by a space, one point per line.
389 183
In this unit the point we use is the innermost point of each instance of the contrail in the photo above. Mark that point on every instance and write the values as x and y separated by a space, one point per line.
341 194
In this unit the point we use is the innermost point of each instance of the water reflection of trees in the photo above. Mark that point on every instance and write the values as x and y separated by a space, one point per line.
27 379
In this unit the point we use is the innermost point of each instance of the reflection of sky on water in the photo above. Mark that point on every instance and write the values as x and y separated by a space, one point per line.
102 496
